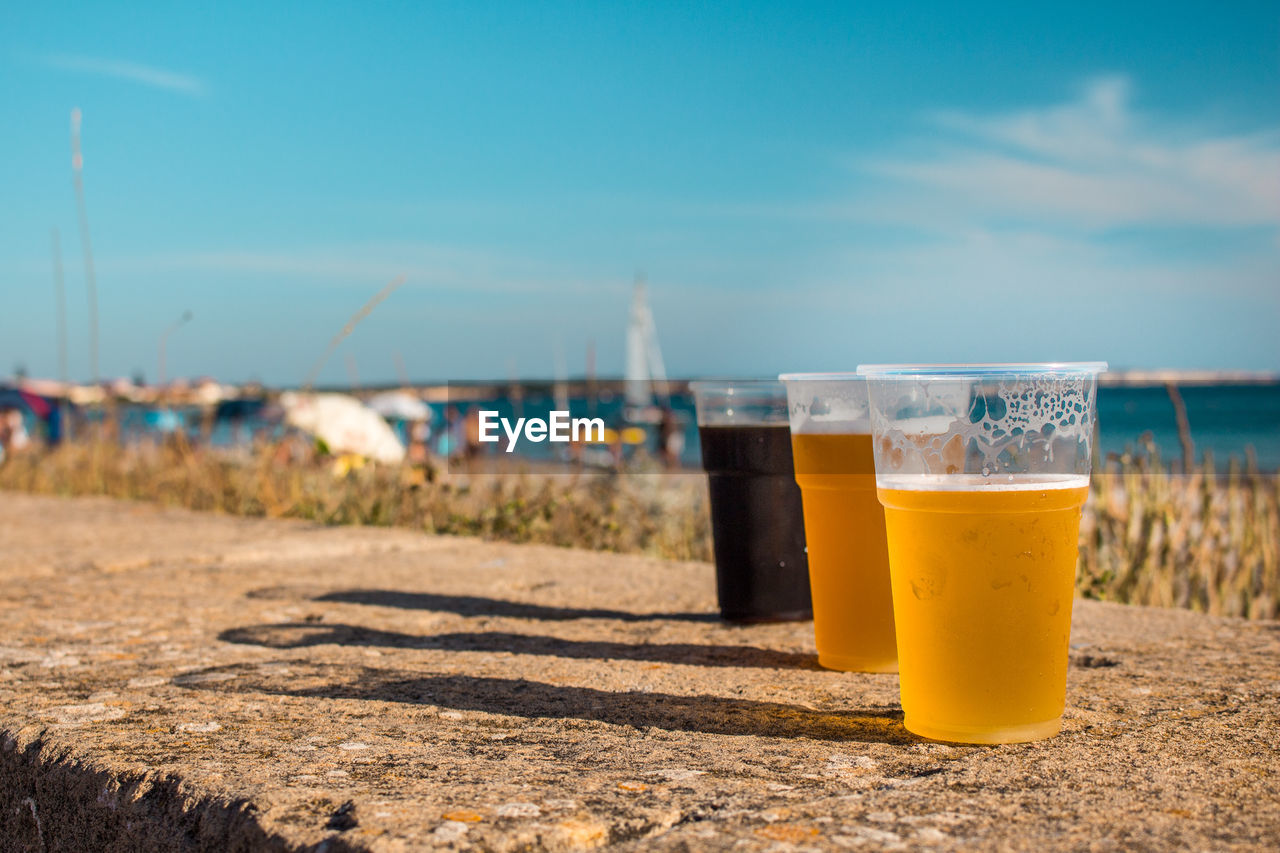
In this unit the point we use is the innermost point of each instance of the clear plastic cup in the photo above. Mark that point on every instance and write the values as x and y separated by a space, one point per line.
843 521
982 470
762 573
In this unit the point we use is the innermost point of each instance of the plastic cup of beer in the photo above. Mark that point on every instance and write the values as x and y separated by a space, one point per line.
762 573
983 471
843 521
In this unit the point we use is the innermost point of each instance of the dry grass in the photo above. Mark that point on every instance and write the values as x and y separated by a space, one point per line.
659 514
1148 536
1195 540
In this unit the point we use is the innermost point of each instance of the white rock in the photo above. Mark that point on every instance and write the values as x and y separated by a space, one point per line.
518 810
200 728
450 830
78 715
676 774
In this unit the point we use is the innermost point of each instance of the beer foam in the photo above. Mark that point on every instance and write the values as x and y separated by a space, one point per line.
827 405
1017 425
979 483
834 426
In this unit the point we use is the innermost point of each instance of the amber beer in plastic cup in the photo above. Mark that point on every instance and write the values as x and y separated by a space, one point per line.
982 471
843 521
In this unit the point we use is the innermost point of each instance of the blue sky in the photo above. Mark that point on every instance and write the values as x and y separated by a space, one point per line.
804 186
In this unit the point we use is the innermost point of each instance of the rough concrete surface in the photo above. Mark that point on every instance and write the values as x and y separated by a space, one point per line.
172 680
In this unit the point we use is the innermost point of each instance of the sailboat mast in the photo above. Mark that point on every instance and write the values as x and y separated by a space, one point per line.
637 374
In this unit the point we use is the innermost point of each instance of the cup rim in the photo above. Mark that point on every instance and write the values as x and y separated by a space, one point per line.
843 376
982 369
731 385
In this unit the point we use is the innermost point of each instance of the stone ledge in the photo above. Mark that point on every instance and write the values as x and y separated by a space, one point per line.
177 681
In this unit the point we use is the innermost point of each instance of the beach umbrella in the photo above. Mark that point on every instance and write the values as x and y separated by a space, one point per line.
399 405
343 423
17 398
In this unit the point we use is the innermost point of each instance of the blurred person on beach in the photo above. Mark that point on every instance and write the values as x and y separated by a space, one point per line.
292 449
419 443
614 439
472 447
462 435
450 433
54 425
13 433
670 439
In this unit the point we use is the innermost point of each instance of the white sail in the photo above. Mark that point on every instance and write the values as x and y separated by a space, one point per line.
645 373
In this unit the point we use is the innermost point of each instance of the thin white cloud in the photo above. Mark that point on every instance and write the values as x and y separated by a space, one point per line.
1094 162
135 72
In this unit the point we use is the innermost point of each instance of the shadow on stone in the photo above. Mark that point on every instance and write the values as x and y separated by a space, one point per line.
292 635
474 605
537 700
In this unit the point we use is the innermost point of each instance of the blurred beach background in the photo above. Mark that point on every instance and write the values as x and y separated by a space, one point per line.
418 208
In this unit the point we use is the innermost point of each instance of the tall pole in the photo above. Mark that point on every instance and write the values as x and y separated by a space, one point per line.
164 340
60 296
77 164
349 328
